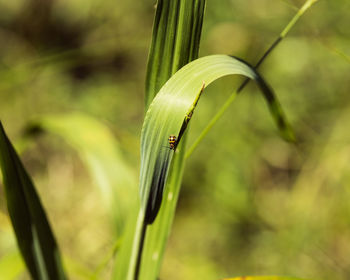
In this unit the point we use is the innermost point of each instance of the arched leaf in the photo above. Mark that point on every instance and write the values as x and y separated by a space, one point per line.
170 109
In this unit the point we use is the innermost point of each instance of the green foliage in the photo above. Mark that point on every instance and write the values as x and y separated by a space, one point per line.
176 35
250 204
34 236
165 117
171 106
175 41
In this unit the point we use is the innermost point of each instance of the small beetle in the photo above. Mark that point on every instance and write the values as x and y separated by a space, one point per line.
172 141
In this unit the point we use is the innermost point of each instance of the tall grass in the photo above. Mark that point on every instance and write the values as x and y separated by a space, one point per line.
173 90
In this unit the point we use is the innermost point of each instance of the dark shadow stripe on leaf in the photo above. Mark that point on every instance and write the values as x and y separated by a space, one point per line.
157 187
272 102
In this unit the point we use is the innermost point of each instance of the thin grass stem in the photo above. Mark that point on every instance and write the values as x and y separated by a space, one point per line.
211 123
221 111
137 247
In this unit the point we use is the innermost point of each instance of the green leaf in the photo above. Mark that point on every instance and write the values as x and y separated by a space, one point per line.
34 236
100 152
175 41
176 35
165 117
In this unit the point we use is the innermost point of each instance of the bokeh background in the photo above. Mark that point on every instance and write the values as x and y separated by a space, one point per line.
250 204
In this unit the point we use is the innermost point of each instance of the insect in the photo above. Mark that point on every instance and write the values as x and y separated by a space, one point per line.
172 141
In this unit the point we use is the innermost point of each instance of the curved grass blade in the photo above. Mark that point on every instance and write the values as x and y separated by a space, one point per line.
165 117
169 111
177 30
34 235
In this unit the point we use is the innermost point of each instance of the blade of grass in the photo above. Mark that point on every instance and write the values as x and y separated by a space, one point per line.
167 112
175 178
212 122
175 42
223 109
165 117
34 235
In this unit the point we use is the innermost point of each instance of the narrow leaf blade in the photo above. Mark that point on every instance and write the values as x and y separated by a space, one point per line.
34 235
165 117
175 41
167 112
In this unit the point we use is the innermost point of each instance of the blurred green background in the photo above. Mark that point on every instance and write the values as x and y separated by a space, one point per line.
250 203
